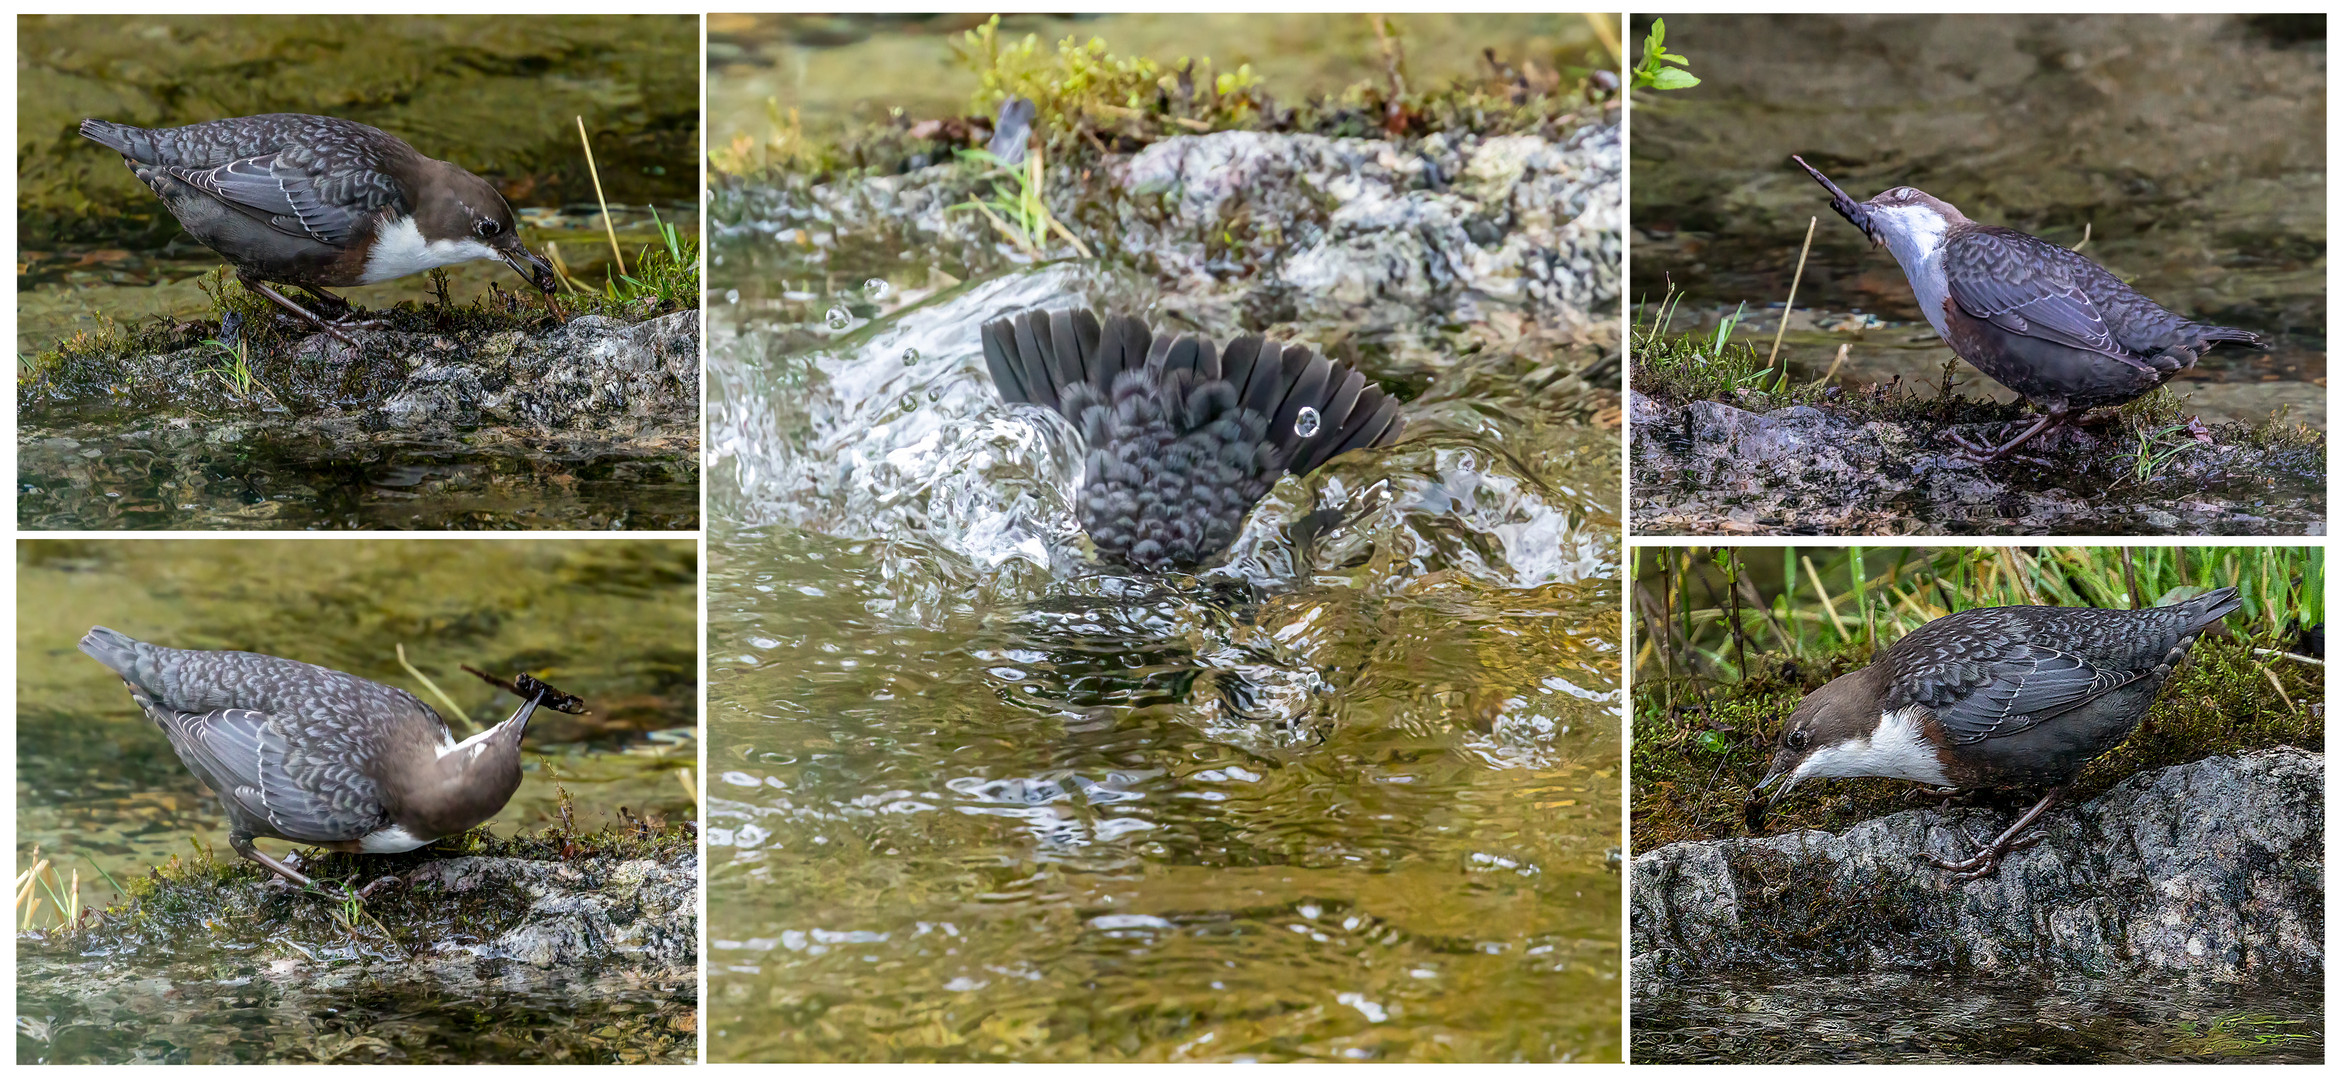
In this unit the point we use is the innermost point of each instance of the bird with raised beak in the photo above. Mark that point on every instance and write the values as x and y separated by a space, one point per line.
2040 319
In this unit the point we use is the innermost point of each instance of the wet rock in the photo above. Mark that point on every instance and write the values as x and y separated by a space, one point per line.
1435 248
1710 467
1359 226
460 420
2210 871
592 374
607 943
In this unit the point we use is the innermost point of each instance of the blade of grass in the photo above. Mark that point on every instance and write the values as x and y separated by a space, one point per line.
596 173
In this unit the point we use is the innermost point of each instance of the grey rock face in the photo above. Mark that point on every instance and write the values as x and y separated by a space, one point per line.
1398 234
1388 238
1708 467
594 374
637 911
2211 871
605 946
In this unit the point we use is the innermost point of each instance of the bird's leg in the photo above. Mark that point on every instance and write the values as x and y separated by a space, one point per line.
1987 859
307 315
242 844
379 882
345 311
1979 454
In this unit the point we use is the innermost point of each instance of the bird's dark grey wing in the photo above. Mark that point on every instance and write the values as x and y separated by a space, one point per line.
2023 690
2026 285
246 757
294 196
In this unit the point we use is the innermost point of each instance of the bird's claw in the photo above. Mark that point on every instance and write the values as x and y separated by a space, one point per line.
379 882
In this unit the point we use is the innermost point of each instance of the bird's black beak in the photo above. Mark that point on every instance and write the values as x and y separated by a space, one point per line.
1760 804
1844 204
530 265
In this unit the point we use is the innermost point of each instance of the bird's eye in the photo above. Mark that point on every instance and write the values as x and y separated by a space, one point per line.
488 227
1797 740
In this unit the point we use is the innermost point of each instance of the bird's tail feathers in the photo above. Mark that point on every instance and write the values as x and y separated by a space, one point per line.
112 648
1313 408
130 142
2209 608
2213 335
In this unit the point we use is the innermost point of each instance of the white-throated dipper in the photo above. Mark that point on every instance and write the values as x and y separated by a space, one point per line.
315 756
1183 437
1992 698
317 202
2040 319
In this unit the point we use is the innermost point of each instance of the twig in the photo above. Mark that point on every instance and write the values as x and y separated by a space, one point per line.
2279 685
1011 234
1842 349
596 173
2289 656
2130 576
1605 27
1811 224
1826 604
2084 237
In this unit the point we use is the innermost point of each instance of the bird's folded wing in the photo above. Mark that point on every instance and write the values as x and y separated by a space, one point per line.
247 757
293 197
2018 692
2026 285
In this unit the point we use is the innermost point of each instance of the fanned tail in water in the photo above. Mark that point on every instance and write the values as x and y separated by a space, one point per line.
1184 438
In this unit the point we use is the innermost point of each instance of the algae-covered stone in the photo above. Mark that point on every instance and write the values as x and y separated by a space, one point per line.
2207 871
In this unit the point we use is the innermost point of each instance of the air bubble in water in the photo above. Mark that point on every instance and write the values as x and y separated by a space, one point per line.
1306 424
909 357
876 288
731 296
839 318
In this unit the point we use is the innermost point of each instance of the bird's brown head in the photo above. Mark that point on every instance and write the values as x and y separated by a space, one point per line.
462 209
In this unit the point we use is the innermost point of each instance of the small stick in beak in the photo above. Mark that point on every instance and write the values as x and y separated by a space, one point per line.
525 685
1845 205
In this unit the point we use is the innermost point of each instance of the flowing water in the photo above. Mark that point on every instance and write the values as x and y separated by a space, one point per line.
2188 151
1353 794
99 791
1947 1019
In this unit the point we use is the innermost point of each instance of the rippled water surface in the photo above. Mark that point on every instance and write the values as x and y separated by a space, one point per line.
1879 1019
1352 795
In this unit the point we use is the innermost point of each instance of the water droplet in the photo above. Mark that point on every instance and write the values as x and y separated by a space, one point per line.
731 296
876 288
1306 424
839 318
909 403
909 357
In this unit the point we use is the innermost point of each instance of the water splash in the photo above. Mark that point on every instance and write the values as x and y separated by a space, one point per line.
839 318
1306 423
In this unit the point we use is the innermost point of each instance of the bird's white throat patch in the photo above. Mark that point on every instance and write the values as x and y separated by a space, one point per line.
1897 748
1914 234
399 249
470 745
390 841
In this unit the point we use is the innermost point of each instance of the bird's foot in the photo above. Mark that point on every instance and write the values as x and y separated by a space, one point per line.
385 880
1987 857
1981 454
